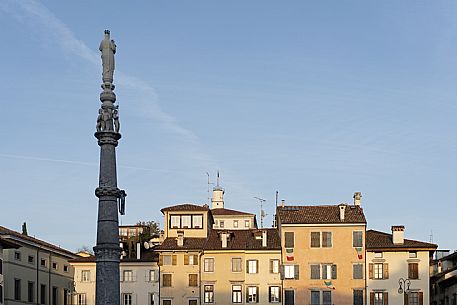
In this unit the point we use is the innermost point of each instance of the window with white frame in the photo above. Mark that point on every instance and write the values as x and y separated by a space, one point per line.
357 239
378 271
197 221
236 264
253 294
289 271
326 239
175 221
412 254
85 275
208 294
274 294
127 276
252 266
126 299
315 239
378 298
221 224
274 265
321 297
186 221
378 254
235 223
208 264
237 296
151 275
152 299
81 299
166 280
192 260
323 271
315 271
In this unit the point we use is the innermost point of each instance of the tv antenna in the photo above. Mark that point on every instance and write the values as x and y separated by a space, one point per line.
262 212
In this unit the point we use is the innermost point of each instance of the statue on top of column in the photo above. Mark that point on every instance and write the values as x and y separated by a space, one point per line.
108 49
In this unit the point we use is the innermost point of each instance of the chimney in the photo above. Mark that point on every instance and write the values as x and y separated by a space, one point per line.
224 239
357 198
180 240
283 203
342 211
24 229
138 251
264 238
398 235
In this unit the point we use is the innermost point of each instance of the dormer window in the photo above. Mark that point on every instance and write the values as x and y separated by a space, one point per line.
186 221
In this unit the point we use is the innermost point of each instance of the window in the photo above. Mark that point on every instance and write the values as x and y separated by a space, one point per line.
193 302
65 268
378 271
197 221
378 254
413 298
55 296
43 295
30 292
166 302
328 272
274 294
253 294
236 264
315 272
221 224
152 299
289 297
412 254
190 259
247 224
235 223
17 289
252 266
209 265
208 294
166 280
186 221
274 265
289 239
315 239
126 299
127 276
315 297
378 298
326 297
81 299
151 276
357 296
31 259
326 239
175 221
43 262
289 271
236 294
85 275
1 294
357 271
54 266
357 241
65 296
413 271
193 280
167 260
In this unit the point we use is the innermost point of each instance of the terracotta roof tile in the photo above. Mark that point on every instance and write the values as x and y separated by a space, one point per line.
185 207
244 240
229 212
381 240
190 243
17 237
319 214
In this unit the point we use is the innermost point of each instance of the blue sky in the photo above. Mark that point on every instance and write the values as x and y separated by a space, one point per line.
315 99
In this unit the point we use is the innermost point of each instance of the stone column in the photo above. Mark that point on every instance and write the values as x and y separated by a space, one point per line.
107 250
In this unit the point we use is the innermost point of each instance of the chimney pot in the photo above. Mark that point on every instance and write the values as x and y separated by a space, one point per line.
357 198
264 238
342 211
283 203
180 240
224 239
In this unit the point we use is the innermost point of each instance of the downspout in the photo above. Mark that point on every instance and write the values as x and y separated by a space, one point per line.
200 276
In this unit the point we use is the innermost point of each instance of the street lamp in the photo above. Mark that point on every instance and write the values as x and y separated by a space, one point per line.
403 286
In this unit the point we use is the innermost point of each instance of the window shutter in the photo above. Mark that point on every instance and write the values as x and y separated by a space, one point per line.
269 294
257 267
186 259
386 270
160 260
385 298
296 272
174 259
405 296
247 266
421 298
334 272
257 293
271 266
280 295
281 271
371 297
247 294
195 259
370 272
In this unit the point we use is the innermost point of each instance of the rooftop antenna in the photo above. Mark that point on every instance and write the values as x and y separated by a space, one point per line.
431 236
209 183
262 212
217 179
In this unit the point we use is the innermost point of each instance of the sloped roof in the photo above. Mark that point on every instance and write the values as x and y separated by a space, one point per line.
226 212
185 207
380 240
244 240
319 214
18 237
190 243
